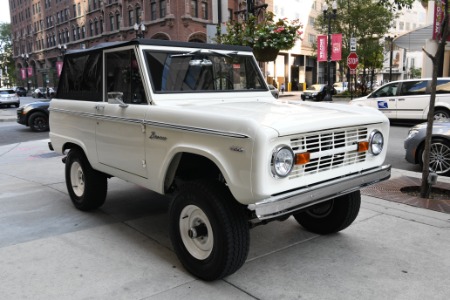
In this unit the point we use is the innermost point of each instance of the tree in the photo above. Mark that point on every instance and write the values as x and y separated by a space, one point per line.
367 21
6 54
442 36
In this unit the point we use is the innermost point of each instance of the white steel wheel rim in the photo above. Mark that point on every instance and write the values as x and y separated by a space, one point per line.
77 179
440 116
199 247
439 158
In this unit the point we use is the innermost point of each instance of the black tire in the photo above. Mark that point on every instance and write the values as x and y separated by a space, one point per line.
439 156
87 187
441 114
223 238
331 216
38 122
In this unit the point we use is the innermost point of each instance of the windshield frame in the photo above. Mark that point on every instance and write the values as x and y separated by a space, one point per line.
240 72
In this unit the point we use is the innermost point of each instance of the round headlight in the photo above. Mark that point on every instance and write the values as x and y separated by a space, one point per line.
376 142
282 161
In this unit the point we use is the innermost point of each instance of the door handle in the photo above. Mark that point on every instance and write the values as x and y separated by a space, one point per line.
401 99
99 107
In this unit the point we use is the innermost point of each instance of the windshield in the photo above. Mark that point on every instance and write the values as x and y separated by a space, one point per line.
315 87
202 71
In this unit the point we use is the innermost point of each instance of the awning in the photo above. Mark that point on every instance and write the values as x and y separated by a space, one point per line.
415 40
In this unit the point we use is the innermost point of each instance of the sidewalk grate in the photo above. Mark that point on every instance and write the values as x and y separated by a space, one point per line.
391 190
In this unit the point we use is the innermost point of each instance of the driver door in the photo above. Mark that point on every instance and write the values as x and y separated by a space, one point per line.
120 131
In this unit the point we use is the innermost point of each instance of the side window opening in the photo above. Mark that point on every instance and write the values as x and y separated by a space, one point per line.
123 76
386 91
443 86
411 88
81 78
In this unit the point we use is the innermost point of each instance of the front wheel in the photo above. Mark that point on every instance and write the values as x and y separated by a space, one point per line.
87 187
439 157
38 122
331 216
209 230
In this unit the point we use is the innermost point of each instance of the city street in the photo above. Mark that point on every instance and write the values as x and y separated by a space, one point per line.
50 250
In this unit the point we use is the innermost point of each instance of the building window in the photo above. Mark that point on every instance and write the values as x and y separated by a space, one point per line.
83 32
311 38
153 10
79 9
117 21
205 10
138 15
230 14
130 18
162 9
74 10
74 34
311 21
194 8
111 23
91 29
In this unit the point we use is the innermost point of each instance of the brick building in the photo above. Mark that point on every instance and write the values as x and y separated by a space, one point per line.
42 30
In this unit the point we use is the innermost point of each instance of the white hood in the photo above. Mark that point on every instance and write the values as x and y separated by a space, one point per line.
284 117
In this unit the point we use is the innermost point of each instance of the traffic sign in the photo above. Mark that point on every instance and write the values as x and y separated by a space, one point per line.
352 60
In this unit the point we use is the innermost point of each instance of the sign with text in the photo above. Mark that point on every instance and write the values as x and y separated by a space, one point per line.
336 47
352 60
322 48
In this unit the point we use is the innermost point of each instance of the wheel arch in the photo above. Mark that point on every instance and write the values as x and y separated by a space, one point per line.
31 112
186 166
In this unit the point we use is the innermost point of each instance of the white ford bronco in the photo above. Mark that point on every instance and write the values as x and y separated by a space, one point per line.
198 123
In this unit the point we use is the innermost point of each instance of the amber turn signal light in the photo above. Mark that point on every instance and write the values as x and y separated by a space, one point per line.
363 146
302 158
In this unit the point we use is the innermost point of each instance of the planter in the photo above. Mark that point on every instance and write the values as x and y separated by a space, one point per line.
265 54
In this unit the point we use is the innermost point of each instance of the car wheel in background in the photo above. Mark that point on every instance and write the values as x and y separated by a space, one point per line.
38 122
439 157
441 114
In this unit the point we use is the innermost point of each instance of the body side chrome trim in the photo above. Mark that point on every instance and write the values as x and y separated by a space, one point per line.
150 123
292 201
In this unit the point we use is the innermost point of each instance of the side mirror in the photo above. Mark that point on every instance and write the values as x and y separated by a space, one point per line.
116 98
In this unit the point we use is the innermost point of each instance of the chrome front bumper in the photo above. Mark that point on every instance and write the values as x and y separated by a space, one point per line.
290 202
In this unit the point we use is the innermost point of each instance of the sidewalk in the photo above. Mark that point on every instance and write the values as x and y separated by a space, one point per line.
50 250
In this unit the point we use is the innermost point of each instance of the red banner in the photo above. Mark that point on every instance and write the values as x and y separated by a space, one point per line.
59 65
336 47
30 71
23 73
439 6
322 48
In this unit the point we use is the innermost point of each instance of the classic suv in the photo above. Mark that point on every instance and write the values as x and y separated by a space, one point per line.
409 99
197 122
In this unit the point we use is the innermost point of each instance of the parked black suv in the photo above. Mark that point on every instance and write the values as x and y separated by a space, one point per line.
35 115
21 91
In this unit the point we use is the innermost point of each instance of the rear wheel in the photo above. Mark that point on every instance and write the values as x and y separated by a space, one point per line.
209 230
441 114
331 216
38 122
87 187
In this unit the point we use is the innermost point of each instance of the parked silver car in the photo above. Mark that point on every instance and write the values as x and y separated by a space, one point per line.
9 97
440 146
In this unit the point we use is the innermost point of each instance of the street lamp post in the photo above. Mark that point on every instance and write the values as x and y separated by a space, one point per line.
139 29
62 49
25 57
329 15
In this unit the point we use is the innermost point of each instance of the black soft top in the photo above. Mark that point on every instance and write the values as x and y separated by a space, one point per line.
155 42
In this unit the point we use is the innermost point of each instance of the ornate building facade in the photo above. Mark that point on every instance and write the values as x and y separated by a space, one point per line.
42 30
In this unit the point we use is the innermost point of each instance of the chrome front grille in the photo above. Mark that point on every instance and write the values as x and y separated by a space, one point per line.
329 149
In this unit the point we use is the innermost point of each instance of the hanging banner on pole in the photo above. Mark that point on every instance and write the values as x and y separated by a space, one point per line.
59 65
30 71
23 73
336 46
322 48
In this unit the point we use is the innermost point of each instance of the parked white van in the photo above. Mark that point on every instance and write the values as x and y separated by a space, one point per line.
409 99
